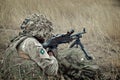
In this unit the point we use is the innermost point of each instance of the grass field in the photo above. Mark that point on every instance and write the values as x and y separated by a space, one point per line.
101 18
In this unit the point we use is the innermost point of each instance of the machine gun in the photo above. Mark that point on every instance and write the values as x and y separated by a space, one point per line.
54 41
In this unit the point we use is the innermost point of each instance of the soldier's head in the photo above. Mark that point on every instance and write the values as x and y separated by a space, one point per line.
38 26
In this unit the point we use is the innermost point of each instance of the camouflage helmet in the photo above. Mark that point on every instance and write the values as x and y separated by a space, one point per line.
37 25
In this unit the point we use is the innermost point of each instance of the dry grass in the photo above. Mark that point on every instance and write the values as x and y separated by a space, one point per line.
101 18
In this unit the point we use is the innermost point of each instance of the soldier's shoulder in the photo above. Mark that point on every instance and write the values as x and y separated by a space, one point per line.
32 41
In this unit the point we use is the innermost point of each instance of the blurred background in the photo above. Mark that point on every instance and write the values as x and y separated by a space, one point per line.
101 18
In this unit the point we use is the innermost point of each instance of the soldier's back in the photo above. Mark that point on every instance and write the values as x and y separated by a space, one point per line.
19 66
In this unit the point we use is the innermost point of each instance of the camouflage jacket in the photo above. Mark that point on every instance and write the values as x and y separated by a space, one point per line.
25 58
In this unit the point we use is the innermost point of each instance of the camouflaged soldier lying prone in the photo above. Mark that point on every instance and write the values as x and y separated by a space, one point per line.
25 57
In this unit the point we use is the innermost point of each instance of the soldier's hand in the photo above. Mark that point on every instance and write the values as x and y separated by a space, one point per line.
50 53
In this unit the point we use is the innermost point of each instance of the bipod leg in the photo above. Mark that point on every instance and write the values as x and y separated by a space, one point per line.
86 54
73 44
76 45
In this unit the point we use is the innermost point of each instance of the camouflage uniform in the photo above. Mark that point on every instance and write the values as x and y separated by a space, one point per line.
38 54
74 66
25 58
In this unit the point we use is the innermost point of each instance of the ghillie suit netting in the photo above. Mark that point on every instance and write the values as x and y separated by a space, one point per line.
37 25
72 65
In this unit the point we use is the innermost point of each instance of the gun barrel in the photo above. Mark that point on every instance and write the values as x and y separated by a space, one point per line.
54 41
78 35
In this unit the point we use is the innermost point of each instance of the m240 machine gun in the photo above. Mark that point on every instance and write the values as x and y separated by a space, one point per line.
54 41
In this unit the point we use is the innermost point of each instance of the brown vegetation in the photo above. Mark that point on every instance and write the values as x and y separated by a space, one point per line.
101 18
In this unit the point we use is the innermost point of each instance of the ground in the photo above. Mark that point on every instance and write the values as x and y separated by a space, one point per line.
101 18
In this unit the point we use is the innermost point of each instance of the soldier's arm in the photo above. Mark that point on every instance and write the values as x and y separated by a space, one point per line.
39 55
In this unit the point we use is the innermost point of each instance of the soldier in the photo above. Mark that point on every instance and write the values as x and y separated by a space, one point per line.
25 58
